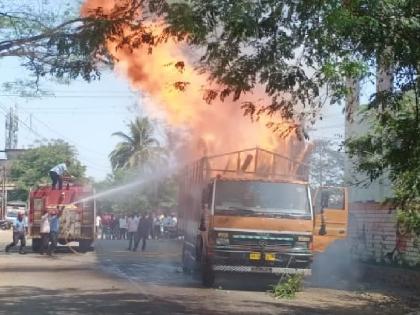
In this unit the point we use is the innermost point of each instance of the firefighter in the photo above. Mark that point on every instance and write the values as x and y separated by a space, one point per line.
57 173
19 232
54 220
143 231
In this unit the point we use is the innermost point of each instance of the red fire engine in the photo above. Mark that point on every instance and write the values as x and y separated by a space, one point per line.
77 221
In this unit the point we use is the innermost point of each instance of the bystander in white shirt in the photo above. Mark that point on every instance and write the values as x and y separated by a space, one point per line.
45 223
123 223
132 224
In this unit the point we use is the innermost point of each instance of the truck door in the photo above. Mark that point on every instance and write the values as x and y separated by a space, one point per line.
331 216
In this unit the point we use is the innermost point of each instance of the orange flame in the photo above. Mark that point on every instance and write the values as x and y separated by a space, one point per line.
216 128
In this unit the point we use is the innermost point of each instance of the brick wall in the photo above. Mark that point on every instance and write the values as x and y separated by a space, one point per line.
375 236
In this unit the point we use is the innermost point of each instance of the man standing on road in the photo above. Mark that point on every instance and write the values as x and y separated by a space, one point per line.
19 231
143 232
156 226
44 231
123 227
57 173
54 229
132 225
98 225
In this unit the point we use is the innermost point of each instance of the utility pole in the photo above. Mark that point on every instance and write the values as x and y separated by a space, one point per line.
321 165
12 128
4 194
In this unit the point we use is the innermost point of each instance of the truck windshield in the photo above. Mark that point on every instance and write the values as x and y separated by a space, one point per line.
260 198
12 214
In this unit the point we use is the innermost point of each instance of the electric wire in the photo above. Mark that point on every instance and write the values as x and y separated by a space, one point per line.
44 140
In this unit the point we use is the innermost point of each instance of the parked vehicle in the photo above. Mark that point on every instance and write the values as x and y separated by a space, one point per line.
12 210
252 211
5 225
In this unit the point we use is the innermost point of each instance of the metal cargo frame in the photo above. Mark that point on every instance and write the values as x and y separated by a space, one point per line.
255 163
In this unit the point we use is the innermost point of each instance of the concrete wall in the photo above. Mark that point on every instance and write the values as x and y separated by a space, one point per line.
375 236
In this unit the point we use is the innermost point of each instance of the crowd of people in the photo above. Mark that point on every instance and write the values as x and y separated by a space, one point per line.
136 228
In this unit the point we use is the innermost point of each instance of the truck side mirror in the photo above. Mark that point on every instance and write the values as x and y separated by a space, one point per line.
202 227
324 199
207 196
204 196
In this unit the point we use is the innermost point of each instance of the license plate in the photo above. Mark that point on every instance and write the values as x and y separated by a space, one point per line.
270 256
261 269
255 256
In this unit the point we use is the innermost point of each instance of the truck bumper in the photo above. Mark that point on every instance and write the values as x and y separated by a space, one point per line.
259 269
284 262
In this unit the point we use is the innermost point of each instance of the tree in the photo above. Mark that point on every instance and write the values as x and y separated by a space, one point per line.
326 165
160 193
135 160
299 51
32 167
125 201
139 149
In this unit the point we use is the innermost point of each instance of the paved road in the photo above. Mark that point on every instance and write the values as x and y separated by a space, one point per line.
112 280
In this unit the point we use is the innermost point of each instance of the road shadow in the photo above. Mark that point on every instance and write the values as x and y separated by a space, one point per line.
34 300
161 265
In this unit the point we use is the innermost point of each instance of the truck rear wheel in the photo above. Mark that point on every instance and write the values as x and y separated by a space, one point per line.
84 245
36 244
185 264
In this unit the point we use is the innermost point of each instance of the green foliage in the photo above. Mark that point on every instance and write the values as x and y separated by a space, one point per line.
155 194
293 48
32 167
410 218
288 286
139 149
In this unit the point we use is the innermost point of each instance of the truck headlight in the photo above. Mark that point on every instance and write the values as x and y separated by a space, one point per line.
222 241
304 239
222 238
301 245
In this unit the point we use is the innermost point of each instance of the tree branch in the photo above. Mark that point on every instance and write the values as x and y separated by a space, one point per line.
16 42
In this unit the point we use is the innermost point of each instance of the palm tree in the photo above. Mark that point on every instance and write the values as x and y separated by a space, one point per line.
138 149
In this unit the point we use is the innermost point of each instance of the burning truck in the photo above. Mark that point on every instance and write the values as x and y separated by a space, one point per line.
252 211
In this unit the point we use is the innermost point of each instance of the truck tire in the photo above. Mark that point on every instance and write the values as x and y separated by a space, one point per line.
185 265
36 244
207 274
84 245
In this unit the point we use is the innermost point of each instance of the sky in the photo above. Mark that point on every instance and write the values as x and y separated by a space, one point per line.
83 114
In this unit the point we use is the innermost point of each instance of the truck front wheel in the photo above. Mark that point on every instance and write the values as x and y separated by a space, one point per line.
207 274
36 244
